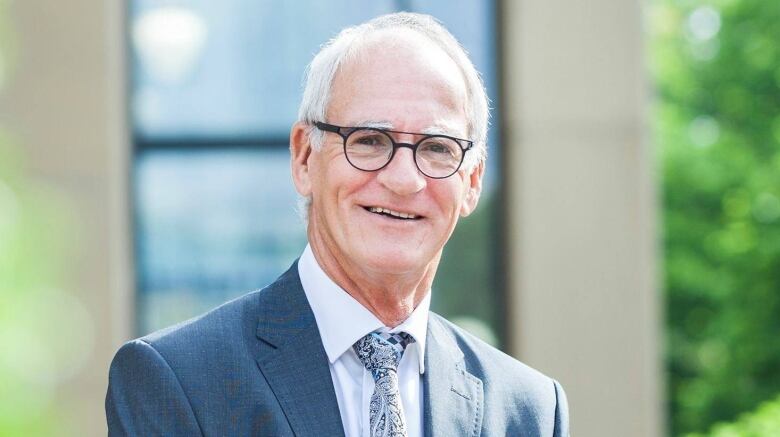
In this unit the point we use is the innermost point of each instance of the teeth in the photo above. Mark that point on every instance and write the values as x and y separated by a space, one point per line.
392 213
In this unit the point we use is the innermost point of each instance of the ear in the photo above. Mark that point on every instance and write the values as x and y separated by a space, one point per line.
473 191
300 151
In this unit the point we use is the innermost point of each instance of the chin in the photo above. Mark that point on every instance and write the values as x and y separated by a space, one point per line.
393 259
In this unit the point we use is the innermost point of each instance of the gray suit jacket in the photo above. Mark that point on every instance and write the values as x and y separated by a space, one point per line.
256 366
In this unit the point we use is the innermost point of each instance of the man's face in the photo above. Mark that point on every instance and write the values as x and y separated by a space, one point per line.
406 85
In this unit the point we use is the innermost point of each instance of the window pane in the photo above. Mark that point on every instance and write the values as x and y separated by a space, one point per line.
211 225
228 68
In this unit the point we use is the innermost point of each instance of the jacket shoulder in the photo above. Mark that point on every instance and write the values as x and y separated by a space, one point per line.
231 324
487 360
220 325
516 395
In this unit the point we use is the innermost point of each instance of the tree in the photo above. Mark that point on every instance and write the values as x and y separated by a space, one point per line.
764 421
717 122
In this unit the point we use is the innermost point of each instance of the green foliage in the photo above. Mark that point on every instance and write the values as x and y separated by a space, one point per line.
45 332
765 421
717 68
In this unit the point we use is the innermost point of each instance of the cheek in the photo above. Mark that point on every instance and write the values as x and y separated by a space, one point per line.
449 197
316 173
337 186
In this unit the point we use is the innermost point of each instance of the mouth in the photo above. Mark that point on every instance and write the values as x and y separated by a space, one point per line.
398 215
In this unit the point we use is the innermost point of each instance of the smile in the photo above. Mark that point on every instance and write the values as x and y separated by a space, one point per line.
393 214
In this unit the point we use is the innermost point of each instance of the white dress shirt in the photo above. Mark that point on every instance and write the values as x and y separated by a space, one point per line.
342 321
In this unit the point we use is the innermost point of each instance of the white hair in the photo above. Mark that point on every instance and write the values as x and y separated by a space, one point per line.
345 46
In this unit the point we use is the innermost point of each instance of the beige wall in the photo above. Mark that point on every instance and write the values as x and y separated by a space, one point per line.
583 292
63 103
584 304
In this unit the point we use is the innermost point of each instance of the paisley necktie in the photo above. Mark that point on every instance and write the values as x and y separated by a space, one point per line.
380 353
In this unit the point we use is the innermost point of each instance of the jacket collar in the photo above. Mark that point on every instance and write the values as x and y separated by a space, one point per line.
453 399
293 361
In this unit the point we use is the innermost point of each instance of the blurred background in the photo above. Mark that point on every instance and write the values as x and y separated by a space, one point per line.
627 242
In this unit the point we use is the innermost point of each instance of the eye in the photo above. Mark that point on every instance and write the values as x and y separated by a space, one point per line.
436 148
440 147
369 140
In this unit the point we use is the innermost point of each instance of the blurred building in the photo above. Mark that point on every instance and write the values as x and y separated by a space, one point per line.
166 124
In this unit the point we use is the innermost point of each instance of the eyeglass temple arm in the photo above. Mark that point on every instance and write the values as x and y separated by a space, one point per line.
327 127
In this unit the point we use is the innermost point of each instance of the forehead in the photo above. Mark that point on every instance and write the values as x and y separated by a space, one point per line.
399 77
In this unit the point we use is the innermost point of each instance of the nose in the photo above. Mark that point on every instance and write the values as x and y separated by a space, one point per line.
401 175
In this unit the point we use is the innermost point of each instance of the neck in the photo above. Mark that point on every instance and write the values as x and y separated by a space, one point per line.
391 297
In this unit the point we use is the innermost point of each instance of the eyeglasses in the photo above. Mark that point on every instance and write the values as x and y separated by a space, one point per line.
372 149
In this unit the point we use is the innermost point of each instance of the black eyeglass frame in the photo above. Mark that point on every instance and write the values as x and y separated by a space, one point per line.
344 132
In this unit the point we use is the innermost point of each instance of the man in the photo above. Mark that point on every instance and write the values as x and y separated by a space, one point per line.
389 152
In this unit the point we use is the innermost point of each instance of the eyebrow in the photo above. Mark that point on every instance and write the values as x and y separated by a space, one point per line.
376 124
441 129
435 129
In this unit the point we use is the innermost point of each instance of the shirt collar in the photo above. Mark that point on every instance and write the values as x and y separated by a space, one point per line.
332 306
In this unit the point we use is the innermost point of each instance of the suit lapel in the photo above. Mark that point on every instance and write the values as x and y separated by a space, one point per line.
293 361
453 397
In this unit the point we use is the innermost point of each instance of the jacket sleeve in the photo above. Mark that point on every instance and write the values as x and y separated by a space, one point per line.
145 397
561 412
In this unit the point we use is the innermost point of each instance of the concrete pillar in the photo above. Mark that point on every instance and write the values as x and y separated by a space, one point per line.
584 301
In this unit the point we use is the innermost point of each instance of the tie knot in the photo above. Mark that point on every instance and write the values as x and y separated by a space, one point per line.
382 350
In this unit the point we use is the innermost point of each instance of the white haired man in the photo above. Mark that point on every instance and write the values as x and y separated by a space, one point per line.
389 152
